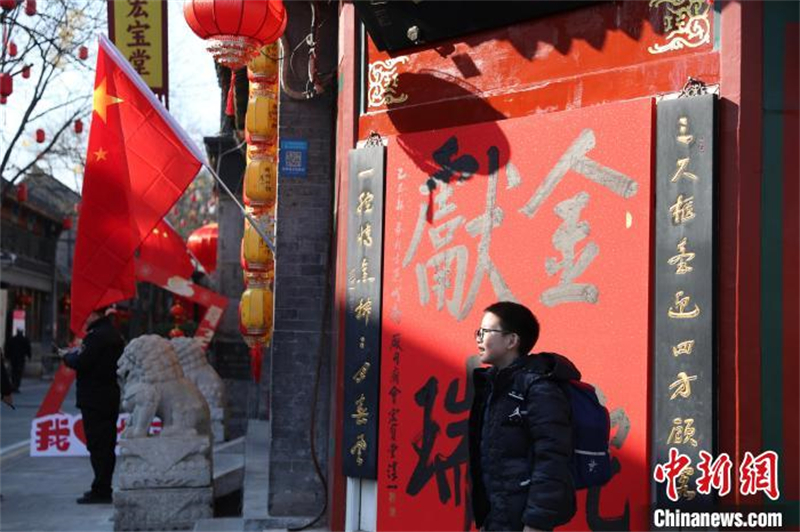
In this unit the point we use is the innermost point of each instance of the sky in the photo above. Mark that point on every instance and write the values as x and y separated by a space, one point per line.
194 95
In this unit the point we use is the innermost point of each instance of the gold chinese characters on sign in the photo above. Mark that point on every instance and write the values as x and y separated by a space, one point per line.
358 448
361 415
682 432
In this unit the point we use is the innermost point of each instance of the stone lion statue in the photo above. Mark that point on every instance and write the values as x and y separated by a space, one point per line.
153 384
196 368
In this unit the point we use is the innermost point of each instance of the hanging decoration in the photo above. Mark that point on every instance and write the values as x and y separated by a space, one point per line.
8 5
203 245
24 300
178 314
79 126
22 192
260 195
30 7
83 53
66 223
235 30
6 85
40 135
12 49
26 71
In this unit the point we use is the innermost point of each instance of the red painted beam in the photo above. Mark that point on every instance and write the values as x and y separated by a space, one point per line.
347 106
791 267
739 174
563 94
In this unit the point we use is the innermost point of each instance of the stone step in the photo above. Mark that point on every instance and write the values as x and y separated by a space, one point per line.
228 473
219 524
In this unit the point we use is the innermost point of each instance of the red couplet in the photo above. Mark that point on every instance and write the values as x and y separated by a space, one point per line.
570 202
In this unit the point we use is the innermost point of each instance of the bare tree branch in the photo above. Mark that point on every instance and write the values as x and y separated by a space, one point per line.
49 43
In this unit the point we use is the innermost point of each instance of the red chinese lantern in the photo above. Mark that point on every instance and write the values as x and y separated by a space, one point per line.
203 245
24 300
30 7
236 29
177 312
40 136
79 126
12 49
6 85
22 192
67 223
3 100
26 71
83 53
66 302
8 5
176 332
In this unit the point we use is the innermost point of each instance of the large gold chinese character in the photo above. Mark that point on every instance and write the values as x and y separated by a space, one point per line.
365 235
679 311
682 432
365 202
683 348
682 210
361 374
683 483
682 259
683 131
364 309
362 414
358 448
681 170
682 386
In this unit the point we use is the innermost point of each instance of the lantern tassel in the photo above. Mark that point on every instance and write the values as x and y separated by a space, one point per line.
231 94
256 354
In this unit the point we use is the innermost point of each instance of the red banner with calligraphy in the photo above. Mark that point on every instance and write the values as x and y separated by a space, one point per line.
552 211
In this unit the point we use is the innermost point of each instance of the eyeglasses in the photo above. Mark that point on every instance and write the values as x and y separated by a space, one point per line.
480 332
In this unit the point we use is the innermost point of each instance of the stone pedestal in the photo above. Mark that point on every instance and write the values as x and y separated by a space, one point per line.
163 483
162 508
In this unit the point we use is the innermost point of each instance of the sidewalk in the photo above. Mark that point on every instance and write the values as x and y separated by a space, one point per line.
39 493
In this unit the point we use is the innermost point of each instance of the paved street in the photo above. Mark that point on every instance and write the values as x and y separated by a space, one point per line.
40 493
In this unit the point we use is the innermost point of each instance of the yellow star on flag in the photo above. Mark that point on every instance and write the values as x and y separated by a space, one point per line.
102 100
100 155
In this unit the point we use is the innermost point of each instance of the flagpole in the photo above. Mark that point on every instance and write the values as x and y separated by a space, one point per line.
247 216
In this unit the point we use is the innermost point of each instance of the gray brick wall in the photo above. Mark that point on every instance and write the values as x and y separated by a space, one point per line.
302 332
302 277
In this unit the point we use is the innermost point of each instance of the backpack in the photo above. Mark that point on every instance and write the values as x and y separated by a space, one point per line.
591 432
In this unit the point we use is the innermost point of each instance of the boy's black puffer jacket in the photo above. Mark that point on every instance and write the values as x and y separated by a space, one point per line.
520 439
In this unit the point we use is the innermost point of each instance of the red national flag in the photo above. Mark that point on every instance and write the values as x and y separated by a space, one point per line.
166 250
138 163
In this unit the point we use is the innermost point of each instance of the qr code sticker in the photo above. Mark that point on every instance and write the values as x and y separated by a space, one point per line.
294 159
